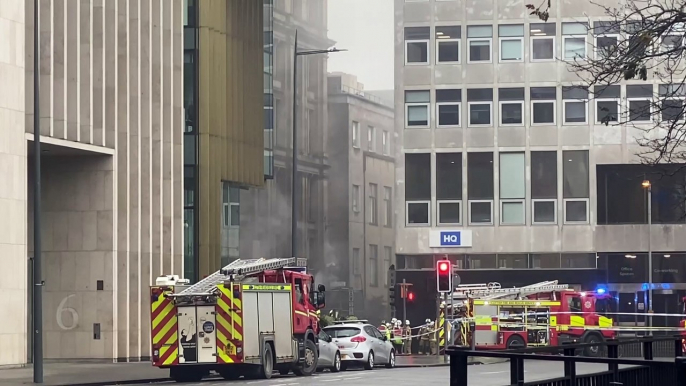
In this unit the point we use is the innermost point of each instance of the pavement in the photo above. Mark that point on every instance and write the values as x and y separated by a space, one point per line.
101 374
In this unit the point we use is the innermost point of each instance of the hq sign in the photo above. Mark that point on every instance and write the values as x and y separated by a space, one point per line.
450 239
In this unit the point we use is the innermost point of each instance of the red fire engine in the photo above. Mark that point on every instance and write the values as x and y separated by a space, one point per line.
545 313
247 319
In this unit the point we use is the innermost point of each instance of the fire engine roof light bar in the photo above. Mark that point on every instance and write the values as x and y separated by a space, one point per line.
495 293
208 285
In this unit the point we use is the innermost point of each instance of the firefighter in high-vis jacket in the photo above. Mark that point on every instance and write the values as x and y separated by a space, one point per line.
398 336
424 347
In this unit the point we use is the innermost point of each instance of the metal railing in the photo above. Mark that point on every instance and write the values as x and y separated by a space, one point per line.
620 371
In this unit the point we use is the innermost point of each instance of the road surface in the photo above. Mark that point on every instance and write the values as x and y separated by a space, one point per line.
480 375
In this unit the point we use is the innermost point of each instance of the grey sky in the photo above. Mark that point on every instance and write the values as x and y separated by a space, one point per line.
365 29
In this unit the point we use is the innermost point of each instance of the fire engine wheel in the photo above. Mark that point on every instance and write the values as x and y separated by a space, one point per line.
592 351
310 366
370 361
265 370
515 342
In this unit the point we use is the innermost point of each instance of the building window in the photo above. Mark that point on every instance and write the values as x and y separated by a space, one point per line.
480 103
544 187
356 261
417 45
449 188
417 108
607 104
575 100
356 198
512 188
231 201
448 103
386 142
388 206
578 260
639 102
511 38
448 44
672 104
543 105
672 44
479 39
356 134
542 37
606 38
387 261
513 261
511 106
371 138
480 188
373 265
574 40
418 188
575 185
373 204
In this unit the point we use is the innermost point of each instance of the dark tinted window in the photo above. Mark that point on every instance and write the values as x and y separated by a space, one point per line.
418 176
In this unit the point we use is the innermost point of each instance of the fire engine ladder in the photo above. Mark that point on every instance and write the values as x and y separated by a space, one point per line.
208 285
498 293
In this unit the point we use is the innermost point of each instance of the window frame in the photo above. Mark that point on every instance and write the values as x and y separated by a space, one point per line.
356 134
596 50
490 51
226 215
470 202
512 201
500 48
459 109
388 207
662 38
564 46
385 142
428 113
564 112
533 211
533 38
373 204
640 99
586 200
355 199
407 213
371 139
427 42
683 106
459 50
619 106
469 113
510 102
536 101
438 212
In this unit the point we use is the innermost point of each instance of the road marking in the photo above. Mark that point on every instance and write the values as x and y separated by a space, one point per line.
493 372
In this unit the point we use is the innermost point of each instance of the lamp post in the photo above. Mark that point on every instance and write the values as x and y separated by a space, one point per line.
647 185
294 189
37 288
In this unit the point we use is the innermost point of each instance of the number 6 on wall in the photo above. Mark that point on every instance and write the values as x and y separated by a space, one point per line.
61 309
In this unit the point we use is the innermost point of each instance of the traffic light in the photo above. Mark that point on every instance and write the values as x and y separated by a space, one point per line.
410 296
444 276
391 296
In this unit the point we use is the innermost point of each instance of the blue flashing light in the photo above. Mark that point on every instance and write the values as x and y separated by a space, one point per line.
644 286
666 286
601 291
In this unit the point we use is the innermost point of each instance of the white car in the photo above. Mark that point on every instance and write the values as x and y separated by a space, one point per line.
329 356
360 343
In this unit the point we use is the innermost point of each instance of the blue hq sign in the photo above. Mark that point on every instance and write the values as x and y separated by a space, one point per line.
450 239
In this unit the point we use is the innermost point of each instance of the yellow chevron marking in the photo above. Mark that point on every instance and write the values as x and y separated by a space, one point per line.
171 324
172 357
169 308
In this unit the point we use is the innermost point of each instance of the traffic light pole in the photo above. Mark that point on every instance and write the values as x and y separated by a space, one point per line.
404 291
445 327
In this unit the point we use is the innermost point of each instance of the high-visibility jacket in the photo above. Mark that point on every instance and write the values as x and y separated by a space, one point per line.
398 335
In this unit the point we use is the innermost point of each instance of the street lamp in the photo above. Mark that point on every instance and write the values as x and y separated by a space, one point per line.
294 191
647 185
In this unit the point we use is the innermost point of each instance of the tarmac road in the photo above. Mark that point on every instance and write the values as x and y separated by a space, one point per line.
480 375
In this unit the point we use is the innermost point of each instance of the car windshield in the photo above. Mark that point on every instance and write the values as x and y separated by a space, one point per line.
342 332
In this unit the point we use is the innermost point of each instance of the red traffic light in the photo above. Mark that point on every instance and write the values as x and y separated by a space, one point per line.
443 266
410 296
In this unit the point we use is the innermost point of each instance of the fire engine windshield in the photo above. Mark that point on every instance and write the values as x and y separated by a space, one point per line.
342 332
574 304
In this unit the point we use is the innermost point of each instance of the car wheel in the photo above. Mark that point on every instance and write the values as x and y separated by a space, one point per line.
369 365
311 359
391 360
336 363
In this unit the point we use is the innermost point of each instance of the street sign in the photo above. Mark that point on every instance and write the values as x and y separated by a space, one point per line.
450 238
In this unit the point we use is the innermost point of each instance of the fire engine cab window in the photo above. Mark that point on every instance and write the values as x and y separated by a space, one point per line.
574 304
299 291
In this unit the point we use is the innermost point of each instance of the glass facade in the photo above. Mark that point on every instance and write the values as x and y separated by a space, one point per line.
269 121
190 135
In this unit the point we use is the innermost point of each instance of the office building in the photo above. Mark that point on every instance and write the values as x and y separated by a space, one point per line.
512 173
361 198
